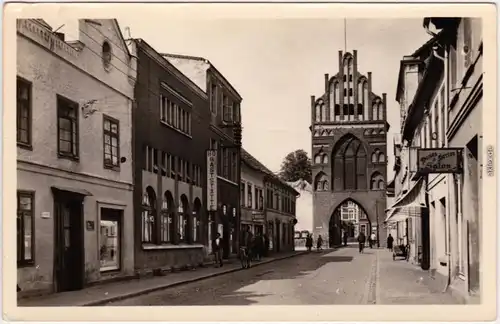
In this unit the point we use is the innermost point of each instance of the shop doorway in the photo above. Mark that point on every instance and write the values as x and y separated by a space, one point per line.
110 239
69 256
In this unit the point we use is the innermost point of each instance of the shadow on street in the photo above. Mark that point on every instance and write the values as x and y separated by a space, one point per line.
229 289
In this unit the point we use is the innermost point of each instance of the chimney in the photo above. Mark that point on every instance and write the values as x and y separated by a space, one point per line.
327 86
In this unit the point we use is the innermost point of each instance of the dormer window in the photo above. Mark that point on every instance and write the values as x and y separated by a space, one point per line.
106 55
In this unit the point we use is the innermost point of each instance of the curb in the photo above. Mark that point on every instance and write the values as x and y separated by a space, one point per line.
188 281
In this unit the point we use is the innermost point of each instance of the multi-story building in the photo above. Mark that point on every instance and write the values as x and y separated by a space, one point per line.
348 135
252 191
225 139
440 91
74 156
171 136
268 205
462 110
280 202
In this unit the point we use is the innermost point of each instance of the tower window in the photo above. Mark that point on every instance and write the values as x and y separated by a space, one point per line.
350 77
350 92
345 77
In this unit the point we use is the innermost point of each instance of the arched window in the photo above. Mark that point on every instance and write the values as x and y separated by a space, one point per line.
374 111
381 111
375 155
377 181
324 158
196 237
167 218
318 113
321 182
381 157
183 224
317 159
148 215
332 97
349 164
377 113
325 113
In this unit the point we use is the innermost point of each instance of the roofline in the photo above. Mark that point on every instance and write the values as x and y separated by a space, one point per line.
177 73
212 66
121 36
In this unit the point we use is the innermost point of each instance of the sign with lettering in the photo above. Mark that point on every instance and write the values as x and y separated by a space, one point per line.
439 160
212 180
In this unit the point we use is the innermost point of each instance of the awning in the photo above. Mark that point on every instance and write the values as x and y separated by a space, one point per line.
78 191
401 214
409 205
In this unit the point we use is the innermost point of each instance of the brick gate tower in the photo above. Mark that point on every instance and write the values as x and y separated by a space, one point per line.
349 148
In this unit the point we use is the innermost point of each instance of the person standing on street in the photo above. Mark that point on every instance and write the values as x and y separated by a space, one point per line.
309 242
217 249
373 238
361 241
390 241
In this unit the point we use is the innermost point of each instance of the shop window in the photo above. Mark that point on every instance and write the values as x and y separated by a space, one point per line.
167 218
148 215
25 231
110 239
197 221
183 228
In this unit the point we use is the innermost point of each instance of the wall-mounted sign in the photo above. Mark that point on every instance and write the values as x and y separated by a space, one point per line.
90 225
45 215
439 160
212 180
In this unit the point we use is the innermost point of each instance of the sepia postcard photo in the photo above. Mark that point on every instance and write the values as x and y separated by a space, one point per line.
314 161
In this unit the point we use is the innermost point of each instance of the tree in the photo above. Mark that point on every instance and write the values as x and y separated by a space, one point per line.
296 166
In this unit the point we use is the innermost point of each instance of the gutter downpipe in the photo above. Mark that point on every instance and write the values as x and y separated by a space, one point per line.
447 104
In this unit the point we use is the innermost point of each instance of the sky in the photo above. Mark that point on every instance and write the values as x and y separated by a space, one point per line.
277 64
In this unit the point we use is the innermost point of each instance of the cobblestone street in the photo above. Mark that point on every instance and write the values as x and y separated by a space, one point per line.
321 278
342 277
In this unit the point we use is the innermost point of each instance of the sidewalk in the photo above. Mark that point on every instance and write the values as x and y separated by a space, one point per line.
402 283
105 293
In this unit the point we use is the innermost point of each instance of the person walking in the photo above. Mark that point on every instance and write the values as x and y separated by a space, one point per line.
361 241
309 242
319 243
346 235
373 238
390 241
217 249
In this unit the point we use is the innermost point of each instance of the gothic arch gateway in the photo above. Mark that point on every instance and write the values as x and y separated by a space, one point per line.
349 150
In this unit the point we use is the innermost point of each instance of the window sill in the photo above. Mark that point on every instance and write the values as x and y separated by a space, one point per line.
68 157
147 246
25 146
112 167
175 129
227 180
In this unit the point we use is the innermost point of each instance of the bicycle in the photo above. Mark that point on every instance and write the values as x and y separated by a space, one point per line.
245 258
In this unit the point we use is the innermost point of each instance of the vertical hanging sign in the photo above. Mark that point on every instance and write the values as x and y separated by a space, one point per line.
211 180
